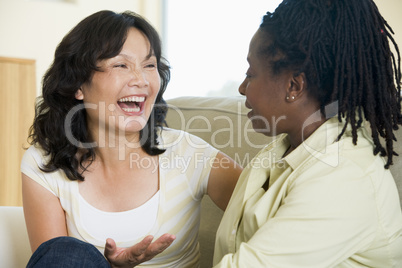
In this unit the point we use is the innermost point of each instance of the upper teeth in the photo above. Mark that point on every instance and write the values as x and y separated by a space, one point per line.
132 99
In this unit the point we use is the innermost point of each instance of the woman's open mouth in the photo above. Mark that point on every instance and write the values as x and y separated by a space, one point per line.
132 104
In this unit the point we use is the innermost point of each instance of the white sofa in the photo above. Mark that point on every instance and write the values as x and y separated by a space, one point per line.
223 123
15 250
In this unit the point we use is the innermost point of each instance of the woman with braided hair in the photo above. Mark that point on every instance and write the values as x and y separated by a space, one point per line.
322 76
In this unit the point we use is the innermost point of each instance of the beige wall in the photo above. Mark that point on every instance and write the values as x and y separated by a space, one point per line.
32 29
391 11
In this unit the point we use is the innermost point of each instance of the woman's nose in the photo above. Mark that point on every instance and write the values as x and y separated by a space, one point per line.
242 88
138 78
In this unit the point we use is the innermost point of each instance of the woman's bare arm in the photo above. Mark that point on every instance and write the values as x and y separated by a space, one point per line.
222 179
44 216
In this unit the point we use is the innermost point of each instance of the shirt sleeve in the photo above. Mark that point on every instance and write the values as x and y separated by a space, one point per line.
31 162
200 157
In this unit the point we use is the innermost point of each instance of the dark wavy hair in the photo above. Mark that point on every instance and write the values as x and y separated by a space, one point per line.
343 48
99 36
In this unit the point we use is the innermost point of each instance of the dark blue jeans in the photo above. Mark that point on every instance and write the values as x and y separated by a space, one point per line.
67 252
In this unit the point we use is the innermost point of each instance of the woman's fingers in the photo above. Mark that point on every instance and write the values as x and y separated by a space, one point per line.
160 244
141 252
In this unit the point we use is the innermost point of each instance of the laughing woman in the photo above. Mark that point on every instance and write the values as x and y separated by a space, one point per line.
92 182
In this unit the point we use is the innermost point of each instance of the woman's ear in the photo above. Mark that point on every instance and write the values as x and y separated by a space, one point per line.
297 87
79 95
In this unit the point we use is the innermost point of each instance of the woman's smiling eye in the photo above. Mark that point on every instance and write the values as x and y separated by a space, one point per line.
150 65
120 65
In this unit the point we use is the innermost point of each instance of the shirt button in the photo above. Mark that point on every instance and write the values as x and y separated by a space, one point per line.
233 231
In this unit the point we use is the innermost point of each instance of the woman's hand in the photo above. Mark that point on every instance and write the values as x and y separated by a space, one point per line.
141 252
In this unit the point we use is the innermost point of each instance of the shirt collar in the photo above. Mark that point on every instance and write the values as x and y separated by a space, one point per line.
316 144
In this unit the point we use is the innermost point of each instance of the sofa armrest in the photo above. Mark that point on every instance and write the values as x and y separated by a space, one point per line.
15 249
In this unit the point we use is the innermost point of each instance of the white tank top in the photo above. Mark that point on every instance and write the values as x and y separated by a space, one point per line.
120 226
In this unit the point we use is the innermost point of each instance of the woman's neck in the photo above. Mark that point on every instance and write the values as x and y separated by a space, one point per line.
114 148
304 131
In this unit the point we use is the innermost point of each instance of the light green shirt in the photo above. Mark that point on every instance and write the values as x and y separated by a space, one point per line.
329 204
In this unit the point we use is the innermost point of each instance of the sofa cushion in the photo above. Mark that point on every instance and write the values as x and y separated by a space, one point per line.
15 249
396 168
220 121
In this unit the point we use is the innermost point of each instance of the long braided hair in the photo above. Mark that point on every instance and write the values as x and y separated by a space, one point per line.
343 47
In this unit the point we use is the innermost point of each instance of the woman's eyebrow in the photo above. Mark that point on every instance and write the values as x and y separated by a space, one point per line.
131 58
126 56
150 55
